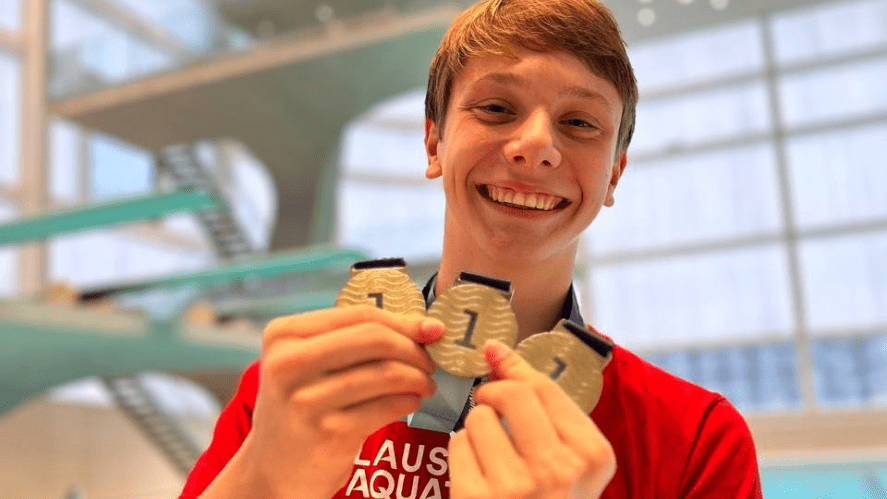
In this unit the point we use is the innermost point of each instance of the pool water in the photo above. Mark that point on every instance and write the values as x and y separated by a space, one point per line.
836 481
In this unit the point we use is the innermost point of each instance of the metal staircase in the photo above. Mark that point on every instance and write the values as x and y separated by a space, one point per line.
187 170
160 427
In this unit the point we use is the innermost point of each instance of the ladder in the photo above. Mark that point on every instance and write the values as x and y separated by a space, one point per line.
161 428
228 239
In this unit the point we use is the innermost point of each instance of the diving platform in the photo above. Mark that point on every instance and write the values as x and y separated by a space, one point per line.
286 99
52 223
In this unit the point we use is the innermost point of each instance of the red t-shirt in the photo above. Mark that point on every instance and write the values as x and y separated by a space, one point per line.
672 439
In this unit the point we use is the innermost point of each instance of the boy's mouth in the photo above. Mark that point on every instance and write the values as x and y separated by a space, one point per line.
521 200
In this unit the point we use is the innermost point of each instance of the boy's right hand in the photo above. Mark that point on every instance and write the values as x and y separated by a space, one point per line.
329 379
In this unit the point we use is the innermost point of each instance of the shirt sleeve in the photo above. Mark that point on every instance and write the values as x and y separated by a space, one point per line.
232 427
723 461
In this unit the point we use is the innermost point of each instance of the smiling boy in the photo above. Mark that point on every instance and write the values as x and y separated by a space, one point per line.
529 113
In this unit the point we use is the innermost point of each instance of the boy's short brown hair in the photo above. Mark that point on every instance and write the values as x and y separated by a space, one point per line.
584 28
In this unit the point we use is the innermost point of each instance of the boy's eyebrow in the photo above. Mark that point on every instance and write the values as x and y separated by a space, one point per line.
572 90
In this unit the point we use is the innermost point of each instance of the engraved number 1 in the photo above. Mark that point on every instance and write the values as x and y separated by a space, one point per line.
378 297
561 367
469 330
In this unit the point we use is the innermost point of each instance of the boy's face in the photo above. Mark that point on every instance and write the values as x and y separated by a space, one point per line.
527 153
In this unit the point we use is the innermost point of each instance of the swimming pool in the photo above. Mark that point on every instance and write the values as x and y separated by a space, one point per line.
825 481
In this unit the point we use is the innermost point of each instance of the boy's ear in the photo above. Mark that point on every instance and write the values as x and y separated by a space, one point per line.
615 175
432 140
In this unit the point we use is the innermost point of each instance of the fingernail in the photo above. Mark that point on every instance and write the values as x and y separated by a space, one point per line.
431 328
430 367
496 351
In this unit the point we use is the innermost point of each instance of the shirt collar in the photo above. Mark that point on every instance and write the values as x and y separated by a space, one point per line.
570 309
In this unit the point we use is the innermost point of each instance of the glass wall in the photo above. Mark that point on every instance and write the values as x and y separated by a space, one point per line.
67 158
10 126
92 259
93 52
8 256
10 14
752 217
10 104
119 169
385 205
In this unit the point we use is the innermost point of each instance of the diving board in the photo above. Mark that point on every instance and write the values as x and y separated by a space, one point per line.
52 223
312 259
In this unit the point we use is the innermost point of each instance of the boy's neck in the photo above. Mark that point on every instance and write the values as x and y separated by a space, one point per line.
539 288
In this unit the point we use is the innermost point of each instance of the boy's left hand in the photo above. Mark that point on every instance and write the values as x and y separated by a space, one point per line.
549 449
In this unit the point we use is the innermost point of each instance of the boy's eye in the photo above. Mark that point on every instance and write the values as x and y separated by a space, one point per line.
577 122
495 108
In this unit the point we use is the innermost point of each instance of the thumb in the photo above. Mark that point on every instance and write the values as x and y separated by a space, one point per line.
507 364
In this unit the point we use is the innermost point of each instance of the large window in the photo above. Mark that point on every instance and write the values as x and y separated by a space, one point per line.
67 155
106 257
747 250
92 51
8 256
10 125
10 100
119 169
751 225
11 14
385 204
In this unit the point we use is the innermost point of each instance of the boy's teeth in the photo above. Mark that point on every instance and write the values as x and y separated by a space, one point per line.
519 199
536 201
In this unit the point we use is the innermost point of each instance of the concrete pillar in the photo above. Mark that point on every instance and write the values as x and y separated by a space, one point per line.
34 138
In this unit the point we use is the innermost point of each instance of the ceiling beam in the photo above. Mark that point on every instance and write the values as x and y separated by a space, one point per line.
279 52
136 25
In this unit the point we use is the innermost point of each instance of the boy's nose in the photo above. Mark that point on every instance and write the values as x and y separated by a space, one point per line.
533 143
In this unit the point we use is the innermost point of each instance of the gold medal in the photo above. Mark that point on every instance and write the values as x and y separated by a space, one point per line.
384 284
474 310
573 357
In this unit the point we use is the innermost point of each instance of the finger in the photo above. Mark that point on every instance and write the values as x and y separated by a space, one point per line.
363 419
532 430
357 344
506 364
547 426
583 436
499 461
296 361
572 424
466 479
363 383
419 328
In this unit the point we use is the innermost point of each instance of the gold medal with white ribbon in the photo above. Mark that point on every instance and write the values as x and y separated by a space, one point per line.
475 309
384 284
573 357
